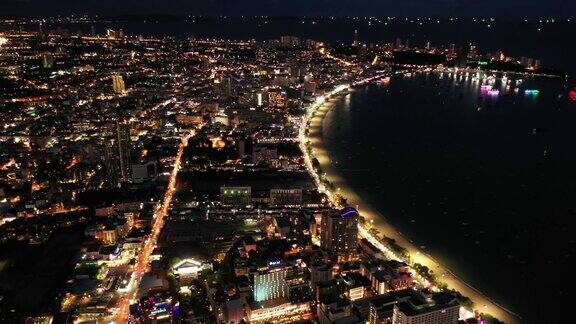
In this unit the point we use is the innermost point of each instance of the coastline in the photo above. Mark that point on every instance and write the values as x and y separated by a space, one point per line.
483 303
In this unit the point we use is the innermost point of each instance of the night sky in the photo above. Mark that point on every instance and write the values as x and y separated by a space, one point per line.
441 8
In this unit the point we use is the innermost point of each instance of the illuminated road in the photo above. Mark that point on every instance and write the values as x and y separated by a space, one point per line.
314 120
143 262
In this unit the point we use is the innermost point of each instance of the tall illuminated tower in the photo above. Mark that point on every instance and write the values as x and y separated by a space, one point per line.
356 41
124 148
118 83
340 231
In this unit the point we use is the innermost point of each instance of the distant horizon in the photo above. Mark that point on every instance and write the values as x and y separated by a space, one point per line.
517 9
307 17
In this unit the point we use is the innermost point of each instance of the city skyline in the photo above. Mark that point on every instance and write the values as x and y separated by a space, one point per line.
290 170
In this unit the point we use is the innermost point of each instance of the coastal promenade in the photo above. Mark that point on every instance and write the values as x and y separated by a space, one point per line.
314 137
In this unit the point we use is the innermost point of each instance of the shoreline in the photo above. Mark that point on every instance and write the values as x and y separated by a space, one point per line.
315 129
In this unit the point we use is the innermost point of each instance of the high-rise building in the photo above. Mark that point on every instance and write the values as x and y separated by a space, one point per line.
226 86
289 40
47 60
441 308
277 99
340 231
111 163
118 83
271 283
452 49
41 29
124 150
463 56
356 41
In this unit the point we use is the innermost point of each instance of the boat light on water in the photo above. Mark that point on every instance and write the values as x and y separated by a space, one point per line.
532 92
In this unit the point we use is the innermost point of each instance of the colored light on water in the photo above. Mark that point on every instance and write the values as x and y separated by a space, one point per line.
572 95
494 92
531 92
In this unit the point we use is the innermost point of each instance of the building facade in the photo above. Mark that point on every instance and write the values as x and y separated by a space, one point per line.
340 231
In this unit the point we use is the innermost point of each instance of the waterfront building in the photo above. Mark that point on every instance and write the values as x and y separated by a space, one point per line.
441 308
340 231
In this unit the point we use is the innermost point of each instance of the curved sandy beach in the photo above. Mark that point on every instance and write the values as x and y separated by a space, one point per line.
482 303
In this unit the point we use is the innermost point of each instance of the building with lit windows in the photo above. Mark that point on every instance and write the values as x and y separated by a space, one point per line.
278 311
338 311
441 308
47 60
271 282
340 231
277 99
118 84
289 40
124 150
236 196
286 197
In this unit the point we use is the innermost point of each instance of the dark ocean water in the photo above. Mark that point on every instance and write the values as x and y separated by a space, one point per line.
552 42
487 184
